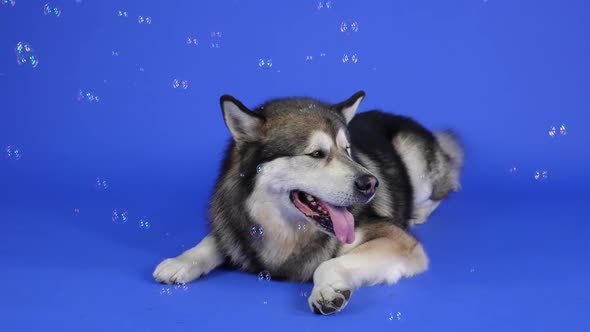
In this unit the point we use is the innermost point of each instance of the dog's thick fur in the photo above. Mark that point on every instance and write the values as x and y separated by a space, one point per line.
292 145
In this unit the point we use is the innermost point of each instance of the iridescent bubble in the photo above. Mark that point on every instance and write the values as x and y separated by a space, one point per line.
264 276
265 63
562 130
184 84
140 19
392 316
145 223
26 55
512 169
181 287
165 291
88 97
302 293
175 83
308 58
541 175
349 26
258 168
471 270
115 53
302 227
122 13
552 131
76 212
256 231
215 39
192 41
51 10
322 54
9 2
148 20
350 58
12 152
119 216
323 5
101 183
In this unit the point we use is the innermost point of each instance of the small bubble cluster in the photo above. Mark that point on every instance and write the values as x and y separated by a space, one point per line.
264 276
142 19
350 58
119 216
178 84
302 227
265 63
512 169
258 168
308 58
88 97
9 2
101 183
397 316
541 175
144 223
303 293
122 13
166 291
190 40
323 5
215 39
12 152
25 55
349 27
76 212
114 53
49 10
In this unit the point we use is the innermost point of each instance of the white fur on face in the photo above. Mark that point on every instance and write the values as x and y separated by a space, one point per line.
342 141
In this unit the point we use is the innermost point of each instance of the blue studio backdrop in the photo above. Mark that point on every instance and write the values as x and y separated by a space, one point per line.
111 137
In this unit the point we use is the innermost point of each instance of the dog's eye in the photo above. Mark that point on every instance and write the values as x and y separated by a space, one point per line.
317 154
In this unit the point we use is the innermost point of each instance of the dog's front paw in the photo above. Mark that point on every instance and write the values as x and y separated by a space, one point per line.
177 270
329 299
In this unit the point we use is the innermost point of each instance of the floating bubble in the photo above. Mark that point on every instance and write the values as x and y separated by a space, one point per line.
256 231
512 169
9 2
350 58
145 223
165 291
302 227
323 5
25 55
302 293
76 212
471 270
184 84
181 287
51 10
119 216
148 20
122 13
215 39
308 58
349 27
258 168
242 175
392 316
101 183
552 131
88 97
115 53
322 54
264 276
142 19
192 41
541 175
175 83
265 63
562 130
12 152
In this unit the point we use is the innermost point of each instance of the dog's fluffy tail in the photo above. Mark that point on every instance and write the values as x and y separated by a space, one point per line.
451 145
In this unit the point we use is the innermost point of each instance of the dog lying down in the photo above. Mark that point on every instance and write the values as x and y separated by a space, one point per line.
354 184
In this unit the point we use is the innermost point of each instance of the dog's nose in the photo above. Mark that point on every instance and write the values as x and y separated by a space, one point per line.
367 184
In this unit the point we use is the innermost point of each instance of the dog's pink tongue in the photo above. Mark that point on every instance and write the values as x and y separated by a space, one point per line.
343 223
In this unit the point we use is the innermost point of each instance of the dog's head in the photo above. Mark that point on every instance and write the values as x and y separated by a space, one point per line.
303 152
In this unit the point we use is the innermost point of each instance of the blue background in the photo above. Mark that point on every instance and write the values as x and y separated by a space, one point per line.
507 253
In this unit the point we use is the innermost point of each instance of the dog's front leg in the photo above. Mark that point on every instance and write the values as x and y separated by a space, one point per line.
384 258
191 264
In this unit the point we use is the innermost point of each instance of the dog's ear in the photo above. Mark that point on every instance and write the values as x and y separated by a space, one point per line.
243 124
349 107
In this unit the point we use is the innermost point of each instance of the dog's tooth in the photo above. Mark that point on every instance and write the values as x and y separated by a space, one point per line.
309 197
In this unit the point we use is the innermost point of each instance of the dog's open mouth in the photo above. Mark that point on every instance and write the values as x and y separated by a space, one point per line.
334 219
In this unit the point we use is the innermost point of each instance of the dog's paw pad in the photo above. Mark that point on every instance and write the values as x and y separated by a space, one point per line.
176 271
329 299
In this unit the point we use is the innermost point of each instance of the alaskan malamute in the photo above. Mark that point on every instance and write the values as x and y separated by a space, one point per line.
328 195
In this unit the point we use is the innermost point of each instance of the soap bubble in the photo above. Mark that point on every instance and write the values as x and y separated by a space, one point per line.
541 175
512 169
88 97
258 168
119 216
122 13
26 55
165 291
215 39
351 58
256 231
264 276
9 2
265 63
308 58
145 223
192 41
562 130
552 131
349 26
302 227
142 19
101 183
175 83
12 152
184 84
51 10
323 5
